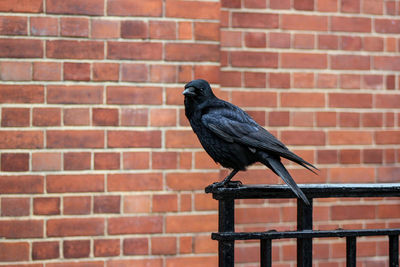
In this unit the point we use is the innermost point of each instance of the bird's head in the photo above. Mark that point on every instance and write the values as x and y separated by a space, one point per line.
198 90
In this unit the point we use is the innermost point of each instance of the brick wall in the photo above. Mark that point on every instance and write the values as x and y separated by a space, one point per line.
99 166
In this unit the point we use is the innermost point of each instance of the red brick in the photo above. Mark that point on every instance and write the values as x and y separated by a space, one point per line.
387 26
21 139
350 6
372 7
279 80
13 229
185 30
387 63
156 262
192 9
46 206
205 202
211 72
165 203
327 156
304 22
349 119
24 6
302 119
278 118
255 20
45 250
350 100
372 81
76 71
163 245
373 43
165 30
350 62
134 72
372 119
75 227
304 60
255 4
76 248
326 119
327 5
302 99
24 184
350 156
46 117
388 211
136 246
193 52
44 26
134 139
351 24
279 40
349 137
304 5
151 8
163 117
105 29
46 71
231 78
387 137
15 117
254 79
193 261
204 161
352 175
76 116
134 117
134 182
254 99
350 81
135 225
190 223
46 161
327 81
75 139
254 59
231 3
163 74
136 160
134 95
164 160
134 50
387 101
77 264
197 181
106 247
353 212
303 80
304 41
75 7
137 204
351 43
15 206
280 4
74 94
21 94
134 29
105 71
77 161
257 215
106 204
300 137
75 183
21 48
106 161
15 71
390 82
105 116
14 251
74 27
69 49
328 42
76 205
372 156
207 31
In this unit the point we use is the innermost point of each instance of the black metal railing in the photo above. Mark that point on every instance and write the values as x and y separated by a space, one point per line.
226 235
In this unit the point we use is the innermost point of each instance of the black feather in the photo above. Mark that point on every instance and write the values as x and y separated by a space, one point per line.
232 138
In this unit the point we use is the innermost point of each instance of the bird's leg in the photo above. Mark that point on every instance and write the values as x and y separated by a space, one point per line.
227 181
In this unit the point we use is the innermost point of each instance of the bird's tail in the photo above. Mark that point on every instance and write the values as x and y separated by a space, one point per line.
275 164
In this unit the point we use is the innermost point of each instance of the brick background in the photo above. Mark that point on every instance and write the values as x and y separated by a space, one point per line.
99 166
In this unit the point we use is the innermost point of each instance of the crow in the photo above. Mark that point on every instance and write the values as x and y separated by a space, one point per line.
233 139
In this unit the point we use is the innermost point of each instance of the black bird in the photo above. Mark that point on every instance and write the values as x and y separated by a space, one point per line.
233 139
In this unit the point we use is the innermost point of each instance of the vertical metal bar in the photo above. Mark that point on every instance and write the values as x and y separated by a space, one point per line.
226 223
393 250
265 253
304 222
351 250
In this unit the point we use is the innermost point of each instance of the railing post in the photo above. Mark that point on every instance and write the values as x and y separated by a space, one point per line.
393 250
265 253
351 251
226 223
304 222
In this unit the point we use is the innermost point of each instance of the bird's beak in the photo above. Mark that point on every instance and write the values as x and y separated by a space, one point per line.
189 91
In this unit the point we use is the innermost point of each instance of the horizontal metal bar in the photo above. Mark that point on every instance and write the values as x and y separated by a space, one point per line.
302 234
310 190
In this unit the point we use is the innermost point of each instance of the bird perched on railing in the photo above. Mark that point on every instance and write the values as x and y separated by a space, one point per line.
233 139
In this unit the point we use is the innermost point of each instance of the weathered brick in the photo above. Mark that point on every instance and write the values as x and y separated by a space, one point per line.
75 183
74 94
25 6
134 182
75 139
15 229
193 52
45 250
76 248
134 50
135 225
255 20
14 251
76 205
21 139
75 227
46 206
13 206
44 26
15 117
151 8
74 27
192 9
23 184
70 49
75 7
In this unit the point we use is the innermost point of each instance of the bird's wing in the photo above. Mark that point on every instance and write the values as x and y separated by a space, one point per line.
232 124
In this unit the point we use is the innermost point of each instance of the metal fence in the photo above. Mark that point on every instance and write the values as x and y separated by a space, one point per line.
226 235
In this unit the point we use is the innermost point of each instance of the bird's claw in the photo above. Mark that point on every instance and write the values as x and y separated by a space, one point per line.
230 184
